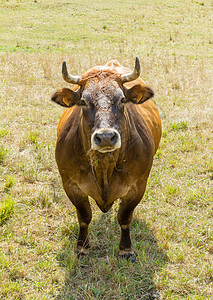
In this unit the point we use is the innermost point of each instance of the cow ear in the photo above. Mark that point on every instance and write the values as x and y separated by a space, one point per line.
66 97
139 93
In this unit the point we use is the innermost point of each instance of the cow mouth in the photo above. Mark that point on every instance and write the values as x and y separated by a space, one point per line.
106 149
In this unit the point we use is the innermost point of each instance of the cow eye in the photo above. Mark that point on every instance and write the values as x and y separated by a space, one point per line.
82 102
123 100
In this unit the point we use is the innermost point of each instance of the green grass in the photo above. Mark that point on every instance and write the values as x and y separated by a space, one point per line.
6 210
172 226
3 153
10 181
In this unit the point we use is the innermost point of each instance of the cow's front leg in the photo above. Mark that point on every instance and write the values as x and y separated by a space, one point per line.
84 213
84 218
125 214
124 219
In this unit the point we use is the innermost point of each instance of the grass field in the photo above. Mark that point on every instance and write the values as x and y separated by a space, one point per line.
172 230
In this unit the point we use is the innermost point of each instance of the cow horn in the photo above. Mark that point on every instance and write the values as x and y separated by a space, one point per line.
69 78
134 74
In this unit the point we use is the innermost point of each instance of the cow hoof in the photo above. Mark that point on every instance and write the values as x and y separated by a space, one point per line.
128 255
81 253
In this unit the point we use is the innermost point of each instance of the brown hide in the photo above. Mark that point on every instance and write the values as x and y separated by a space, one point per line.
121 174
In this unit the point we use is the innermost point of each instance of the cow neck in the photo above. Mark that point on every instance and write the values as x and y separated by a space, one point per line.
103 166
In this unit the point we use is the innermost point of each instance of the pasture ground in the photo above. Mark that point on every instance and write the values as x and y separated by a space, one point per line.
172 229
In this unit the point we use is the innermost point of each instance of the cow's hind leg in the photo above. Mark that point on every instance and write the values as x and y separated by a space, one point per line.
125 214
84 213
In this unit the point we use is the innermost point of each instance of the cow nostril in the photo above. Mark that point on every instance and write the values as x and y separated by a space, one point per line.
114 138
97 139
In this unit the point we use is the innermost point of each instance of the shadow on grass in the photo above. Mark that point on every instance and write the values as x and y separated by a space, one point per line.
101 275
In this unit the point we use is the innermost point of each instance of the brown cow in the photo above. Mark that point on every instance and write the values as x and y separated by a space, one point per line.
107 138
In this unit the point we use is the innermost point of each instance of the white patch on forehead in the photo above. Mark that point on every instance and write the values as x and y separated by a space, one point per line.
103 103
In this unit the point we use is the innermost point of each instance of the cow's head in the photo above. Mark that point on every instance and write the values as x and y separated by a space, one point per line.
103 96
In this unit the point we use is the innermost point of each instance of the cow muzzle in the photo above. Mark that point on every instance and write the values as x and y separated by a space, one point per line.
105 140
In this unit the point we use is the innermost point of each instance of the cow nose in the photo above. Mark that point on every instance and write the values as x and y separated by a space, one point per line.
105 139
